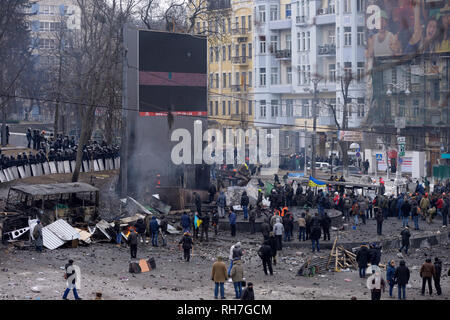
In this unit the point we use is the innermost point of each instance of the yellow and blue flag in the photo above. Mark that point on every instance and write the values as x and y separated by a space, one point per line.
316 183
197 222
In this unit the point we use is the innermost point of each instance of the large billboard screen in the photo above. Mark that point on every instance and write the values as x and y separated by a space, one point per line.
407 27
172 74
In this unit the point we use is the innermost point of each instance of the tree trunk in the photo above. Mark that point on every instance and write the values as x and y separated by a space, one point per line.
84 137
56 120
343 145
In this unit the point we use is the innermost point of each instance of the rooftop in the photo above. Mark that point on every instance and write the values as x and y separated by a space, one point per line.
56 188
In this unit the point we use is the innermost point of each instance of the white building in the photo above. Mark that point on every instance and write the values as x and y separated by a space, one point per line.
297 42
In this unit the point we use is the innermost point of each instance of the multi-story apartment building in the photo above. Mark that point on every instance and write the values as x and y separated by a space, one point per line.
230 63
298 43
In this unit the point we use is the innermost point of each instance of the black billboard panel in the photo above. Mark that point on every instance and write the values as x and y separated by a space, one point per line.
172 74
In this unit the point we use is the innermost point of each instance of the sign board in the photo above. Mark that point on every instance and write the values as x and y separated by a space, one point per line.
358 154
379 156
350 136
400 122
407 165
445 155
402 150
401 140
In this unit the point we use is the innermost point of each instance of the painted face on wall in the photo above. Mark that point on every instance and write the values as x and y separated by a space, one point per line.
431 29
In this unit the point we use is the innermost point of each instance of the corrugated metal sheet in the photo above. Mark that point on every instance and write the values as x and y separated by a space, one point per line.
63 230
57 233
56 188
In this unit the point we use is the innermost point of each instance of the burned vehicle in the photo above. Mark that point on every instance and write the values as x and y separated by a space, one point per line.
77 203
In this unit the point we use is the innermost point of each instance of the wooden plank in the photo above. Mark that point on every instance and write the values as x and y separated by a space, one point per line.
331 252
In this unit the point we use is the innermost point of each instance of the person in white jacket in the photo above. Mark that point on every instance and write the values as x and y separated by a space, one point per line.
278 230
376 283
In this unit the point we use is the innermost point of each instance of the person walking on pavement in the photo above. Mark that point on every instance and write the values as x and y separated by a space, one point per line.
140 229
427 272
406 210
273 246
424 205
232 220
379 217
278 230
302 228
29 137
154 226
325 223
37 235
265 229
133 242
248 293
198 202
71 275
118 231
221 203
251 221
437 275
237 276
212 192
187 244
405 239
204 226
265 253
390 276
316 233
244 203
163 229
375 283
235 252
401 277
219 276
362 257
215 222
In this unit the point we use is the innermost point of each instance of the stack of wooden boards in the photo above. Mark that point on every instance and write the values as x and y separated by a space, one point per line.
341 258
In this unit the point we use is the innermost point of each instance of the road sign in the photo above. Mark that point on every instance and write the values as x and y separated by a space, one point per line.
358 154
401 140
379 156
400 160
402 150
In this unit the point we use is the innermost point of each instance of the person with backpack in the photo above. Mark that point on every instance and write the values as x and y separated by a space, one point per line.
141 229
401 277
187 244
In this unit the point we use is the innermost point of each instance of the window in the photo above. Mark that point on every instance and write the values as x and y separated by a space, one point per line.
274 76
237 107
250 107
331 6
211 108
273 43
229 52
217 81
331 36
224 80
347 36
244 80
244 50
304 74
217 54
49 10
286 141
360 6
387 109
211 80
289 75
299 41
224 53
229 108
288 41
243 23
349 110
46 44
273 12
249 50
48 26
347 6
204 26
217 108
250 78
237 79
289 108
360 36
216 25
360 107
211 54
249 23
332 72
305 108
303 41
236 23
288 11
308 74
229 25
348 69
224 107
308 41
236 51
401 108
262 45
416 108
262 108
274 108
262 76
262 14
360 72
198 27
338 38
229 80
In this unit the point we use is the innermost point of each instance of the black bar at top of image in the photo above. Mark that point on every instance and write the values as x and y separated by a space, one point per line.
172 52
158 98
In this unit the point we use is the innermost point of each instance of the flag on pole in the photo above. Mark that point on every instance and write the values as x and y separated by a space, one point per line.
316 183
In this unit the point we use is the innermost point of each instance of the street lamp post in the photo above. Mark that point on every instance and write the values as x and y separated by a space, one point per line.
315 81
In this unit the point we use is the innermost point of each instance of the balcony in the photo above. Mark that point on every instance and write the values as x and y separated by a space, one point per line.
325 16
238 31
236 88
283 54
301 20
241 60
219 4
326 50
326 121
280 24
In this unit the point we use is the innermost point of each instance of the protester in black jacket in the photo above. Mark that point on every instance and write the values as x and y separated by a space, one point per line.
248 293
437 275
401 277
265 229
265 253
273 245
244 203
374 255
326 223
362 257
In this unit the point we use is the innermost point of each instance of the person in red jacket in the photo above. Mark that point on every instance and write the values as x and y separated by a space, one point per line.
439 205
